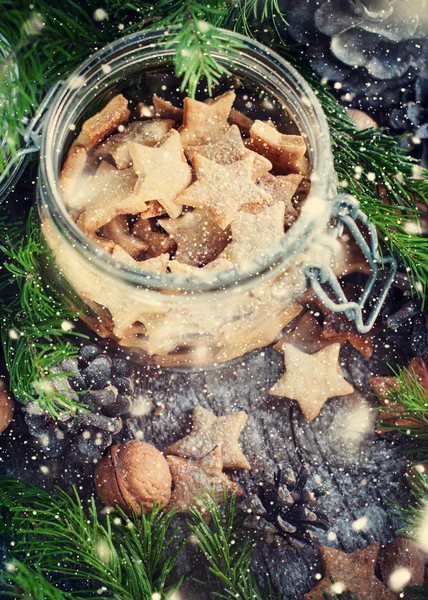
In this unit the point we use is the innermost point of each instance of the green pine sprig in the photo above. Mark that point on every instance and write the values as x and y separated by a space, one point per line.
35 319
113 557
227 552
119 557
193 29
409 400
30 584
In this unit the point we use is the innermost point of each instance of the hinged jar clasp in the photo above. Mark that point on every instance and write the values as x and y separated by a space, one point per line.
347 213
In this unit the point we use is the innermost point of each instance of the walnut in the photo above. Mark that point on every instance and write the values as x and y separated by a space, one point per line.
133 476
6 406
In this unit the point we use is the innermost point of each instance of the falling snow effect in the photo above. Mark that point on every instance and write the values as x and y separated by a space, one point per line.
357 467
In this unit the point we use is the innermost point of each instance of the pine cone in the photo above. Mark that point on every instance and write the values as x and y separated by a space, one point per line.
367 45
87 434
283 511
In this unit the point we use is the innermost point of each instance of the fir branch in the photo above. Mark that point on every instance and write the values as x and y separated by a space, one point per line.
409 401
252 15
121 558
45 42
227 552
34 321
193 29
30 584
415 516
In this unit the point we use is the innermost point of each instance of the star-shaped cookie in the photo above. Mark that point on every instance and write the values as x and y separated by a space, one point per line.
194 478
74 179
103 123
285 152
209 271
203 122
229 148
256 235
162 172
209 431
198 236
223 189
112 194
312 379
306 335
166 110
158 264
148 133
282 188
382 386
118 232
158 243
354 572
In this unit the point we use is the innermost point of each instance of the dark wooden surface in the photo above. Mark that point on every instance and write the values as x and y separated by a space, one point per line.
357 468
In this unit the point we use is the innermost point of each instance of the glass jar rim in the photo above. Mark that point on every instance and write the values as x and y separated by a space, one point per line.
312 219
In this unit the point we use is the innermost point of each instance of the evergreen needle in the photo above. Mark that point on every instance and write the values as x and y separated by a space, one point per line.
35 320
227 552
119 557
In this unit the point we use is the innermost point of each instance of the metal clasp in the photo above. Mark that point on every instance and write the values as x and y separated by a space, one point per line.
347 213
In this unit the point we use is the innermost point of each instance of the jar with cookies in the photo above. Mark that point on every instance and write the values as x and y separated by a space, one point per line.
181 226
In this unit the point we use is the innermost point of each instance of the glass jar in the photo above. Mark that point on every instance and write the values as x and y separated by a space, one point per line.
174 319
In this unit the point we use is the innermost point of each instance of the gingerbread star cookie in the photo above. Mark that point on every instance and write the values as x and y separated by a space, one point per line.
118 232
238 118
223 189
306 335
194 478
74 179
229 148
204 123
282 189
209 431
208 272
166 110
393 415
353 573
158 243
198 236
112 194
285 152
103 123
256 235
162 172
311 379
158 264
148 133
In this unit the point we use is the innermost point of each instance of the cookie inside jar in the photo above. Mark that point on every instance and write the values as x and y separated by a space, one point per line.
192 188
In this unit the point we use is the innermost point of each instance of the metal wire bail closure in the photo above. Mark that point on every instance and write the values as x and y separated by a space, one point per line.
347 213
